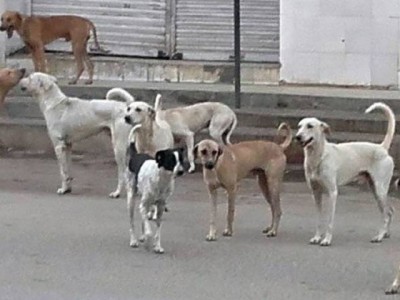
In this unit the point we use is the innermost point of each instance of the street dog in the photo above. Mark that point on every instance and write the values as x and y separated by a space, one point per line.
155 180
154 134
70 120
225 166
8 79
185 121
328 165
38 31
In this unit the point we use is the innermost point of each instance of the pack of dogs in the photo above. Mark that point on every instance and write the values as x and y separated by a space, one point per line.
148 160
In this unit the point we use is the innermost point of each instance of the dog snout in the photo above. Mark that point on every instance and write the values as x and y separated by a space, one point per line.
22 72
298 137
209 165
128 119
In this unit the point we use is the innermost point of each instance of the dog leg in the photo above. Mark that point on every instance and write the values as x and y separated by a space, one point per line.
317 195
231 212
89 67
381 177
157 237
189 140
275 203
332 196
131 210
212 234
120 159
77 49
146 224
63 153
394 288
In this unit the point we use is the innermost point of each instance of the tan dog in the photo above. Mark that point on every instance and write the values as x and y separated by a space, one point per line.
8 79
225 167
38 31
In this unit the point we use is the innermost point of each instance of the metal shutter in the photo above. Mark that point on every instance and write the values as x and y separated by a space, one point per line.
204 29
134 27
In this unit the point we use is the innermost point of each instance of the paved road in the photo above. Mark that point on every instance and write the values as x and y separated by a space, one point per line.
76 246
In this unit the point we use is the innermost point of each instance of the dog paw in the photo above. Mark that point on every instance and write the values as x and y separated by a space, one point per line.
72 82
211 238
158 250
325 242
227 232
134 244
315 240
392 290
270 233
63 191
377 239
114 195
386 235
87 82
192 168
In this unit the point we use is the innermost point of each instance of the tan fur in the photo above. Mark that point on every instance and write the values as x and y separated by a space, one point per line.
8 79
225 166
38 31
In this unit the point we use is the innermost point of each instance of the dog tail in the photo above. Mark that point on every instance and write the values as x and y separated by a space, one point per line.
131 138
226 135
97 46
288 138
387 141
157 103
120 93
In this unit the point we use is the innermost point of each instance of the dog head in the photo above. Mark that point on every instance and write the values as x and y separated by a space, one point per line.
10 77
38 83
171 160
9 21
208 152
138 112
311 130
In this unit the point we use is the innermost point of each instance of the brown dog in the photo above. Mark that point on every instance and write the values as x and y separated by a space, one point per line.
8 79
38 31
225 167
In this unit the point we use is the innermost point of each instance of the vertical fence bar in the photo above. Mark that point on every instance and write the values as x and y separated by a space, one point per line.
237 52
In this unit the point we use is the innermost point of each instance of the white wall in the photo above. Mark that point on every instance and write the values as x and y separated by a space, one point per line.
346 42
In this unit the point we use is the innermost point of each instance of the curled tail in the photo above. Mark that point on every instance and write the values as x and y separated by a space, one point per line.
97 46
131 138
288 139
387 141
120 93
226 135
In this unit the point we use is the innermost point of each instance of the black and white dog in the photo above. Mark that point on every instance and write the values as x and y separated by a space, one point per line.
154 179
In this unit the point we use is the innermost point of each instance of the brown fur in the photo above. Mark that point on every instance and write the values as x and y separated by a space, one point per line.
38 31
225 166
8 79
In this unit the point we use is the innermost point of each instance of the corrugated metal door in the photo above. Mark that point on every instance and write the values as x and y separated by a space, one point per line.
204 29
130 27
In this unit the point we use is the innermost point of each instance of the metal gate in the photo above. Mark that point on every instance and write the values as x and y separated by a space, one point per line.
204 29
130 27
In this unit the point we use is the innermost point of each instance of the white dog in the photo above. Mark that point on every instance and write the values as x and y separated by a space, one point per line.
186 121
154 134
329 165
70 120
155 180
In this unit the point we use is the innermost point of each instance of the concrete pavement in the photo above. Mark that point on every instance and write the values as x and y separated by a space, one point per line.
76 246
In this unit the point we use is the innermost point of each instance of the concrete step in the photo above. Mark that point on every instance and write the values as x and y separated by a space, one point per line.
253 96
31 135
347 121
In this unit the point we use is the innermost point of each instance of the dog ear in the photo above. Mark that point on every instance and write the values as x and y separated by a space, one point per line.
152 113
326 128
220 151
160 156
47 82
195 150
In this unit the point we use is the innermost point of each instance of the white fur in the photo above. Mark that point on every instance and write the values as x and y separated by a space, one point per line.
70 120
155 185
154 134
328 165
186 121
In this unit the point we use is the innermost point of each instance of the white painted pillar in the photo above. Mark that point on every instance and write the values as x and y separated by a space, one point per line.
3 37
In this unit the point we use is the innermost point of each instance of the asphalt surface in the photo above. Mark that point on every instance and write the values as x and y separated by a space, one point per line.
76 246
